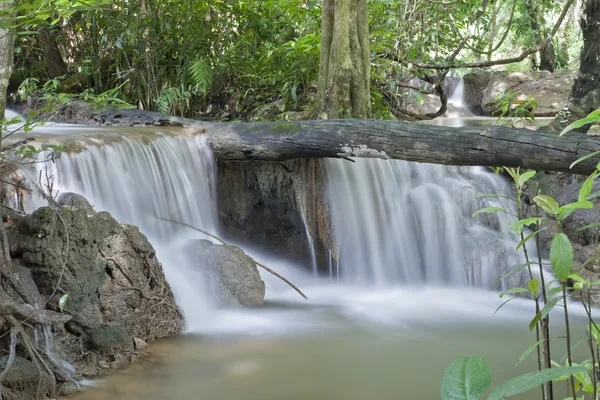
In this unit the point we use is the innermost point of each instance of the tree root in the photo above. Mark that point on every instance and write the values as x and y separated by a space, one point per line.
223 242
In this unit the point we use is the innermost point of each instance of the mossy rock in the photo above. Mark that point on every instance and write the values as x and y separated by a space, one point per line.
110 338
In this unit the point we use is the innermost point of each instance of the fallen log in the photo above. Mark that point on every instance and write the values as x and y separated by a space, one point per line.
278 141
484 146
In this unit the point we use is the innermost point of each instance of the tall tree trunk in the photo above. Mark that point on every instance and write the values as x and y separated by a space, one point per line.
344 72
52 57
547 53
585 94
7 40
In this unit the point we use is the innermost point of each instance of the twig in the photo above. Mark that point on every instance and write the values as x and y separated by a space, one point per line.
223 242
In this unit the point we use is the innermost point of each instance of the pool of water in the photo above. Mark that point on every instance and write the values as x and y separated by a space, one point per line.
344 343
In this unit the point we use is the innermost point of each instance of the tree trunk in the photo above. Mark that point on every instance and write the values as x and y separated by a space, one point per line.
51 53
547 53
344 72
585 95
485 146
7 40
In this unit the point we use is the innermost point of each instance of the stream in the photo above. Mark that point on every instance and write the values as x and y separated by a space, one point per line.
412 291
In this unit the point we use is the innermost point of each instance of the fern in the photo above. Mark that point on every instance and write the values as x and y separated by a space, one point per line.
171 100
200 74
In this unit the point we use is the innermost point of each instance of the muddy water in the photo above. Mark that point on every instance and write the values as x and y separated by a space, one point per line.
345 343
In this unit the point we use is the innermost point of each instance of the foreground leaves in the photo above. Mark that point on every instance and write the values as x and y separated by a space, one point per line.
467 378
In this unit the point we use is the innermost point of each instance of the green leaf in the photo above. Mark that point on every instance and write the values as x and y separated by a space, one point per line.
513 291
576 206
547 203
547 308
502 305
530 381
526 176
522 242
467 378
561 256
528 351
517 227
586 188
489 210
63 301
588 226
584 158
592 117
534 286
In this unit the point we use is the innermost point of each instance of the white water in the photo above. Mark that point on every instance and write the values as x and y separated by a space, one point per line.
397 222
458 94
169 178
405 226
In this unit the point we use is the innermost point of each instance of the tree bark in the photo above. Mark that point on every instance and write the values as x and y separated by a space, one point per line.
547 52
7 40
485 146
585 94
344 71
51 53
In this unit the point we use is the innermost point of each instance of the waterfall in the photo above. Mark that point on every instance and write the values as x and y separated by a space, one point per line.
169 177
458 94
398 222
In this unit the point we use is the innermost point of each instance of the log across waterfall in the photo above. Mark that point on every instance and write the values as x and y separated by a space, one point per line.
480 146
278 141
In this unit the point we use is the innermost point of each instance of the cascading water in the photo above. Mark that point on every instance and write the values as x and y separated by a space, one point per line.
139 183
458 94
398 222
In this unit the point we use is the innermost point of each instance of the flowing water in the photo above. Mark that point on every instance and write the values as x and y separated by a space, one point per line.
411 294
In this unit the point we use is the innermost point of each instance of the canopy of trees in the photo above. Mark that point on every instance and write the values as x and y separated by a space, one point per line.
262 60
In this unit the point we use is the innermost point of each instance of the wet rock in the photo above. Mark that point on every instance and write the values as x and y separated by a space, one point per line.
474 86
582 217
232 275
139 344
110 271
68 388
108 339
21 371
75 201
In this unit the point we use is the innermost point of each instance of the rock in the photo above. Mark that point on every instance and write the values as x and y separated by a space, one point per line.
68 388
232 275
110 271
482 88
75 201
270 204
475 84
550 90
107 339
21 371
139 344
582 217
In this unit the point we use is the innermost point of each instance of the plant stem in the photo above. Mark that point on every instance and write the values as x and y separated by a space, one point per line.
546 320
591 341
568 331
546 392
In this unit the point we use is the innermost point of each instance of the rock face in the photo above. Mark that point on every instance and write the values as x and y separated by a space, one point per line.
270 204
550 90
116 286
232 275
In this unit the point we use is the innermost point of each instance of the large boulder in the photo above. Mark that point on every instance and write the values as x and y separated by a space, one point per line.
474 86
550 90
482 88
232 275
116 286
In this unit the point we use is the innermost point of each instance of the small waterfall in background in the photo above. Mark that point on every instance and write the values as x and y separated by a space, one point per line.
397 222
171 178
458 93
